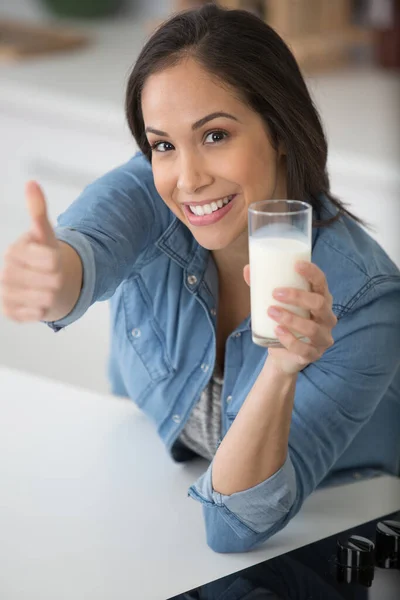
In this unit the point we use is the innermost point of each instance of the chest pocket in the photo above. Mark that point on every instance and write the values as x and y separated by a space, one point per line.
143 331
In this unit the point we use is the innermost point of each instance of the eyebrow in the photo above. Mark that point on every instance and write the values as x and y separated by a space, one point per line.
197 124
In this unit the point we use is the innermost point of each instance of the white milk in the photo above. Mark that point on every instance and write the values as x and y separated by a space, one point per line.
272 261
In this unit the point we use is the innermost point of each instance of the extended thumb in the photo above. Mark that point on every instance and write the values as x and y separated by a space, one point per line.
41 227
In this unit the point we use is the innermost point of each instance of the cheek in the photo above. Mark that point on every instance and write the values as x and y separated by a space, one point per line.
166 187
256 178
253 164
262 173
162 181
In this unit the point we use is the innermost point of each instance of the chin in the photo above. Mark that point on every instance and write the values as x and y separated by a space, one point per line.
214 242
212 247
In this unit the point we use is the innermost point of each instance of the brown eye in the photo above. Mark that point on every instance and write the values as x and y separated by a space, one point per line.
215 136
161 147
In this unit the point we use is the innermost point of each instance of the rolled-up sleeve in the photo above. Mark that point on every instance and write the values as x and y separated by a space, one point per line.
81 245
251 515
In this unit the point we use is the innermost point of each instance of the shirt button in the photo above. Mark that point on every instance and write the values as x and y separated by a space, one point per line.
213 311
229 399
357 476
176 419
238 334
136 333
204 368
192 279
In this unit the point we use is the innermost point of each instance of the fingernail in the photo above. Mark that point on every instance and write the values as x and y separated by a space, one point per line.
274 312
279 293
279 330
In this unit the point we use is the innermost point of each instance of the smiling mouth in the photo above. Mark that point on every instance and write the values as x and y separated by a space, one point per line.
208 209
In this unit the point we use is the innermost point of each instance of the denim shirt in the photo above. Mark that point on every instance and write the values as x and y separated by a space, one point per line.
163 288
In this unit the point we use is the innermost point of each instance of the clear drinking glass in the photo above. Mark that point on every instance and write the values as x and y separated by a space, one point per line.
280 233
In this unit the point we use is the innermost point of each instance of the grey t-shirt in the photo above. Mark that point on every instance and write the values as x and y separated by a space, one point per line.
203 429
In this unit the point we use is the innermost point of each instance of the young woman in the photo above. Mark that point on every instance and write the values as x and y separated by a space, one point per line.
223 118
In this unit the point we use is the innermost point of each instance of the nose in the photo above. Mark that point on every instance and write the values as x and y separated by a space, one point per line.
193 173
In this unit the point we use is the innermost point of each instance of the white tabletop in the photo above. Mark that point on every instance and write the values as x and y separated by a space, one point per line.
92 506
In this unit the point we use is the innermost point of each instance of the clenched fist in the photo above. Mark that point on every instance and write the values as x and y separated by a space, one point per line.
32 276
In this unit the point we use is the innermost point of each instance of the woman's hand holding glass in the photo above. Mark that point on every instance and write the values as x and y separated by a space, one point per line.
297 354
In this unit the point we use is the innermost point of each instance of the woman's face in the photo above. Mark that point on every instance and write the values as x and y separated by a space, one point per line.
208 166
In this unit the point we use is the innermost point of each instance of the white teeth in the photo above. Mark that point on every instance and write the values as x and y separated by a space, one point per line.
207 209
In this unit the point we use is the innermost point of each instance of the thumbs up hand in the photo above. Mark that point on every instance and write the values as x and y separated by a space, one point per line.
31 278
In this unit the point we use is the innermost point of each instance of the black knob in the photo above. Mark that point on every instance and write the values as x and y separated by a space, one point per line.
388 544
355 560
355 552
362 577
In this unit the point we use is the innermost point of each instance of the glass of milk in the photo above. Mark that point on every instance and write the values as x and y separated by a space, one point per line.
279 235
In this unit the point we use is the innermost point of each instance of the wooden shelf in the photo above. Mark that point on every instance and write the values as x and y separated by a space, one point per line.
319 32
333 49
20 41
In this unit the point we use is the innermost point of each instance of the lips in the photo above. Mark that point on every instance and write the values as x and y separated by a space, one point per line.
210 218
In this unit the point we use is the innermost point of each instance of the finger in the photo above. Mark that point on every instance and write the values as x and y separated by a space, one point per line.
22 277
295 297
302 352
32 299
314 275
320 306
41 226
246 274
34 256
24 315
319 335
18 245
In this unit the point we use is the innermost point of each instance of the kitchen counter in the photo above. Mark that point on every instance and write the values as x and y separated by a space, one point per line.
93 508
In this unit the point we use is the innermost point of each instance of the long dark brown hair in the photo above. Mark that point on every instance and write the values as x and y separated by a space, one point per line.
247 54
